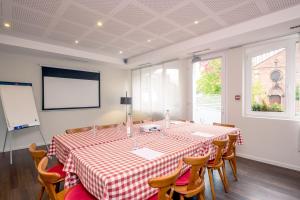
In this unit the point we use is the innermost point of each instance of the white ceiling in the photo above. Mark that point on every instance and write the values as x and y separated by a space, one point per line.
127 24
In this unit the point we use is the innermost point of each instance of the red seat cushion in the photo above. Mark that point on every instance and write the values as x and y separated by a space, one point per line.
78 192
184 179
154 197
58 169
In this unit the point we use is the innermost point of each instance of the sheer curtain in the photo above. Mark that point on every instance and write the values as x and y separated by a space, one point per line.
156 89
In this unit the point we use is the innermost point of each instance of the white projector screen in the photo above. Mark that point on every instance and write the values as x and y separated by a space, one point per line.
70 89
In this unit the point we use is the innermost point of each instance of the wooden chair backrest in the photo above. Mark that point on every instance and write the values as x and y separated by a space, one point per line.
198 166
232 143
226 125
221 145
165 183
107 126
36 155
49 178
78 130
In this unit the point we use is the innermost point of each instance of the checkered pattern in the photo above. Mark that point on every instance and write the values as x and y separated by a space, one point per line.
112 171
61 145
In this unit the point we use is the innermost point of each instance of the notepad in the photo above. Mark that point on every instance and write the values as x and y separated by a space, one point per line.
202 134
146 153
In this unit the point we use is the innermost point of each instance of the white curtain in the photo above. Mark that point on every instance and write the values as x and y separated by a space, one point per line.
157 88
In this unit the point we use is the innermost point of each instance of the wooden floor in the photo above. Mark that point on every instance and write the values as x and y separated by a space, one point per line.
257 181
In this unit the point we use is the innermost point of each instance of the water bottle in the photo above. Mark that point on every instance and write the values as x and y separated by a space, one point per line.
129 125
167 119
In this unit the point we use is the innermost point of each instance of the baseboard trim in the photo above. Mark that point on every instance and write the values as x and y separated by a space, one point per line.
271 162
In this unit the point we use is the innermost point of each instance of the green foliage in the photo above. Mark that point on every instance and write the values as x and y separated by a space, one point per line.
264 107
297 92
258 90
210 81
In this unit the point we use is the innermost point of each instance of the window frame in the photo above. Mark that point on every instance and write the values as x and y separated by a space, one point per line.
250 51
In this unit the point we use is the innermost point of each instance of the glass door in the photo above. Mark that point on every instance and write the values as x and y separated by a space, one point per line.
208 90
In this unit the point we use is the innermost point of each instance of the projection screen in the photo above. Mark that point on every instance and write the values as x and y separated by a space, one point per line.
70 89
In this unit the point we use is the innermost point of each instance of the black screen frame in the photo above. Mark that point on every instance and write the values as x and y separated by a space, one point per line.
72 74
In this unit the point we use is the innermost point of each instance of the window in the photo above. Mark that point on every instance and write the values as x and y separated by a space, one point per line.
156 89
272 89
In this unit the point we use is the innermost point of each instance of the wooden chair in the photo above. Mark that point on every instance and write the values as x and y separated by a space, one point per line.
107 126
230 154
37 156
192 182
218 164
225 125
164 184
51 178
78 130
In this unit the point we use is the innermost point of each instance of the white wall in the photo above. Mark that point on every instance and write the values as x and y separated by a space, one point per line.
20 67
267 140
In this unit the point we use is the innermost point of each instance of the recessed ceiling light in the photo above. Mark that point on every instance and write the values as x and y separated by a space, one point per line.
7 25
120 52
99 24
76 41
148 40
196 22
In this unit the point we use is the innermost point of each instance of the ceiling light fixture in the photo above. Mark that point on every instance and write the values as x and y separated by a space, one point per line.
148 40
120 52
196 22
99 24
76 41
7 25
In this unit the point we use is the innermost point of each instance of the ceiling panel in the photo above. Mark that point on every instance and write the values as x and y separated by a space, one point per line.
186 14
70 28
81 16
160 6
89 44
159 27
178 36
135 26
242 13
139 36
122 44
204 26
61 37
134 15
30 17
102 6
281 4
48 6
100 37
114 27
219 5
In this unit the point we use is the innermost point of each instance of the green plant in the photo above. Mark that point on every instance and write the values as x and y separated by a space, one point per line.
297 92
264 107
210 81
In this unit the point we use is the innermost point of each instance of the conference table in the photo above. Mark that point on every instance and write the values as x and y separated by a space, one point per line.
112 166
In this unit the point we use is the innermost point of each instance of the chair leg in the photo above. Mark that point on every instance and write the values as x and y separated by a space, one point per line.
222 179
41 193
233 169
225 177
212 188
202 196
181 197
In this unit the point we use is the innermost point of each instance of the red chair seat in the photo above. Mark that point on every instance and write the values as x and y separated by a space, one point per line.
78 192
211 162
154 197
58 169
183 179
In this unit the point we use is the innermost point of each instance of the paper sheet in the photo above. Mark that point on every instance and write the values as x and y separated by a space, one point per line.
176 122
146 153
202 134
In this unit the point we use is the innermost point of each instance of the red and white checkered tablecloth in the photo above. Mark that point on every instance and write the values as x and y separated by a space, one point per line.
112 171
61 145
186 131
